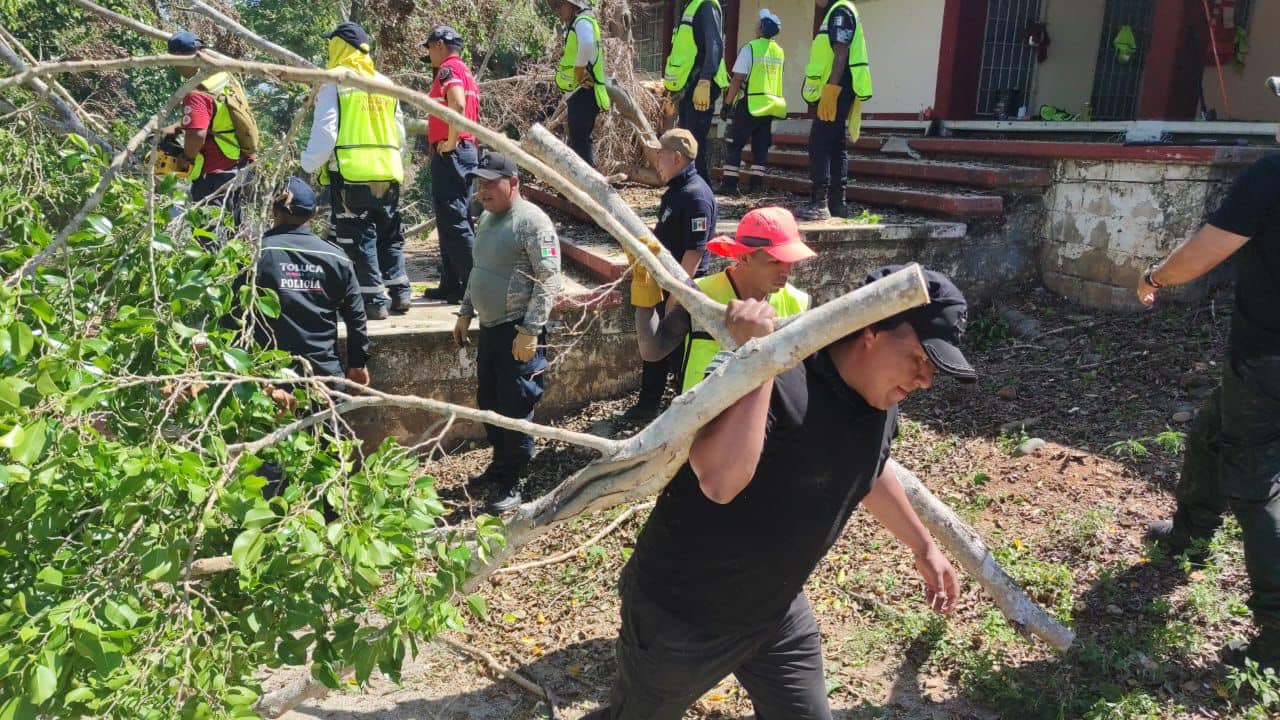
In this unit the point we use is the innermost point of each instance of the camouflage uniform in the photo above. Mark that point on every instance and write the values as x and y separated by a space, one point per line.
366 224
512 289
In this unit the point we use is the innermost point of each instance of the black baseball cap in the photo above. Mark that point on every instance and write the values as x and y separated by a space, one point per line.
303 200
184 42
940 324
493 166
450 36
352 34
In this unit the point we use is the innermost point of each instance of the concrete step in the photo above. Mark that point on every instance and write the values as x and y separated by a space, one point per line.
931 200
930 171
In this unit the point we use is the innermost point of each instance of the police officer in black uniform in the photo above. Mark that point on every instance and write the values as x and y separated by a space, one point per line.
686 219
316 283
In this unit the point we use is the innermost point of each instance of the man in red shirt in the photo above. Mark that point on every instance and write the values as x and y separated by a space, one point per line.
209 140
453 155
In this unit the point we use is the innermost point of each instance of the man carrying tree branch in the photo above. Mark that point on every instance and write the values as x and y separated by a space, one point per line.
715 584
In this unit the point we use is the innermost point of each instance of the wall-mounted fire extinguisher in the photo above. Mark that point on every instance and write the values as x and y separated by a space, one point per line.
1222 32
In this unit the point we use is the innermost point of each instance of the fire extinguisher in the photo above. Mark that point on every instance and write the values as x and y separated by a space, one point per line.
1222 32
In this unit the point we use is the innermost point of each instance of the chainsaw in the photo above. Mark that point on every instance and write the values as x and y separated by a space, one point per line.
168 158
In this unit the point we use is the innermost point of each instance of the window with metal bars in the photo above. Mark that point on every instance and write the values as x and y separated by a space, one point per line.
1116 84
646 29
1008 62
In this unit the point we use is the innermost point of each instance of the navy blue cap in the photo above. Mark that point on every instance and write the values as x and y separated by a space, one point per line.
445 33
940 324
302 198
353 34
493 166
184 42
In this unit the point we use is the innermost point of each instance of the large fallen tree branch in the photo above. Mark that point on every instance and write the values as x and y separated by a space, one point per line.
68 114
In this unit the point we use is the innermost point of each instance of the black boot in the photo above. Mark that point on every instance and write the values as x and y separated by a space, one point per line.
1264 650
728 186
1175 538
755 185
492 474
816 210
507 495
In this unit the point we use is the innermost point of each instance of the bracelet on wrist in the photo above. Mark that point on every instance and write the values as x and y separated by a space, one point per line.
1150 279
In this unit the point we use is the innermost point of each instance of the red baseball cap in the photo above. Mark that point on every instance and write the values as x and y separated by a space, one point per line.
772 229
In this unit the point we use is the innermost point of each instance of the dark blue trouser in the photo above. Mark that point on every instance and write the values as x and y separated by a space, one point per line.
1232 462
829 154
449 194
582 121
653 375
231 201
509 388
747 128
698 122
366 223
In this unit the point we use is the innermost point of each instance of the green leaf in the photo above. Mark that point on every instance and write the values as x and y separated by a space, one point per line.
160 564
11 392
478 607
247 548
239 696
237 359
268 302
23 340
40 307
18 708
310 544
28 452
6 342
100 224
15 437
42 683
258 516
120 615
293 650
50 576
79 695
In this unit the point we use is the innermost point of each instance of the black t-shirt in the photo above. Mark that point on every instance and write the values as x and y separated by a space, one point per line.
1252 209
736 567
687 216
840 29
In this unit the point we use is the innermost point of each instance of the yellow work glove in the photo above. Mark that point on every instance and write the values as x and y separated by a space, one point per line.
523 347
582 76
855 120
702 96
827 104
461 329
645 290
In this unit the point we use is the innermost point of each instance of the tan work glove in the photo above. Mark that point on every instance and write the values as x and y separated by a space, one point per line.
702 95
827 103
582 76
524 347
460 330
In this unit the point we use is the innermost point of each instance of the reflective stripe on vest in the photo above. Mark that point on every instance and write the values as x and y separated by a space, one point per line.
684 50
221 128
764 83
369 142
565 79
818 71
700 347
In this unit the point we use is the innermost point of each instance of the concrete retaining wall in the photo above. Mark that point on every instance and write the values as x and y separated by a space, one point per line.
1107 221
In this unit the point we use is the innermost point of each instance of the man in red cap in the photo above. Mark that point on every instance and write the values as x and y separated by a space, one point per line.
715 584
765 247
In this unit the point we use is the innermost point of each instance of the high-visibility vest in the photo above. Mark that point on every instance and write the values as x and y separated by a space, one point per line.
764 83
222 128
684 50
565 79
818 71
700 347
369 142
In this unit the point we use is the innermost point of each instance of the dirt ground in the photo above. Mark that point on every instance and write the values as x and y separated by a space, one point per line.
1110 396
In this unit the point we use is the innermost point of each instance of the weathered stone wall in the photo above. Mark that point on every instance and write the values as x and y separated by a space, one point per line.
591 359
1108 221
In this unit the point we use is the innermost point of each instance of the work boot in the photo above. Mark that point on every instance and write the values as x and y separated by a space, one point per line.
376 312
838 211
505 500
728 186
435 293
401 303
1264 650
639 414
1174 540
814 212
492 474
755 185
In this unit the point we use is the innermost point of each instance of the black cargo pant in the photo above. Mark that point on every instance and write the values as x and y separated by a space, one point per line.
367 225
216 189
583 110
666 664
1233 462
449 194
510 388
698 122
747 128
829 155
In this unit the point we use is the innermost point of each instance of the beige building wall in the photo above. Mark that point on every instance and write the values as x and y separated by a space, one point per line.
1250 99
903 39
1065 79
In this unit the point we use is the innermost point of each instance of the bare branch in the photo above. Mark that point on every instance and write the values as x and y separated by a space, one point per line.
251 37
38 86
543 562
115 17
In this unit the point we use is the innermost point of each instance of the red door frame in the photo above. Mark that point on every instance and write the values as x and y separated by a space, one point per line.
1173 67
959 57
